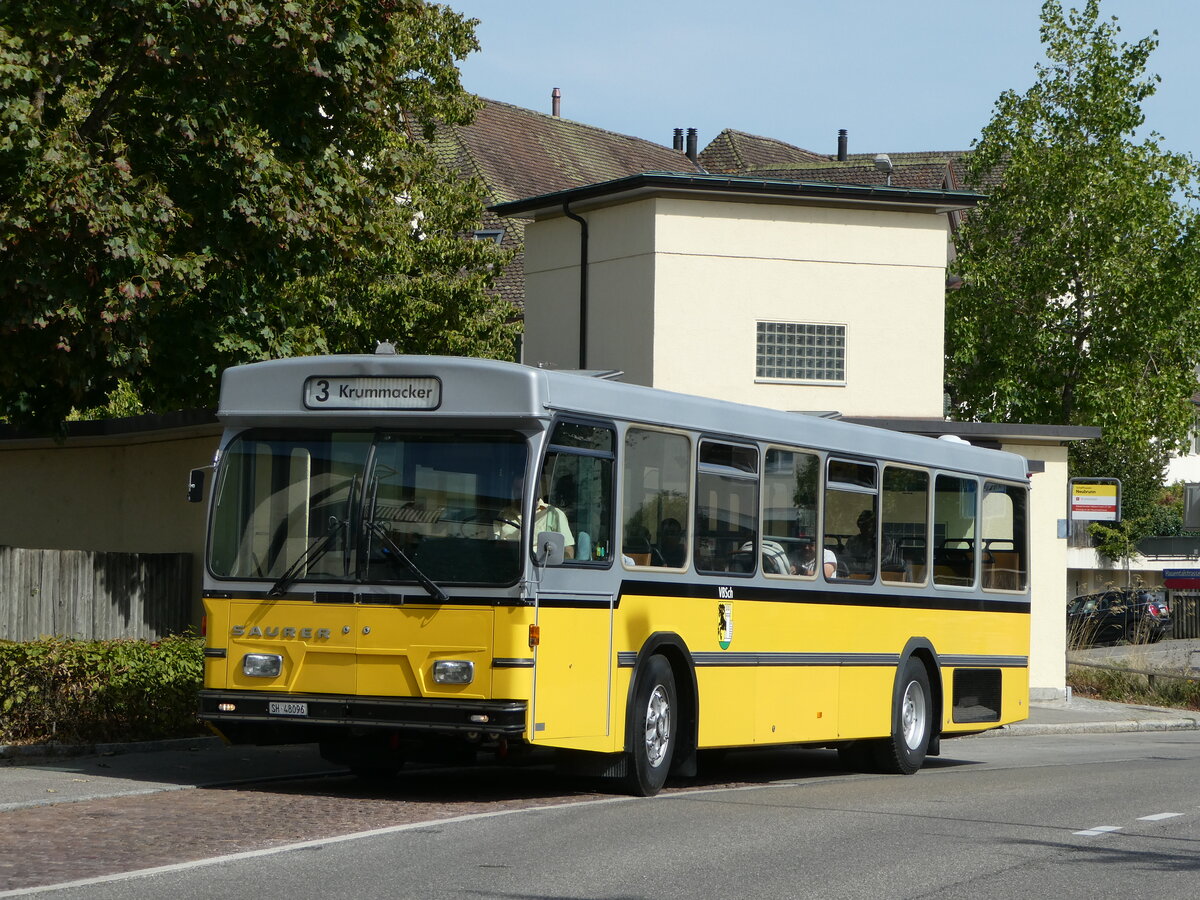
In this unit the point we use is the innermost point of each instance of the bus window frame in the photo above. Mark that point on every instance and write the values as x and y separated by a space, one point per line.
623 428
874 463
529 500
976 555
723 471
1023 556
818 512
929 495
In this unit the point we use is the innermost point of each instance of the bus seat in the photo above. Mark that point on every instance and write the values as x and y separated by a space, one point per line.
950 575
741 561
1001 570
639 559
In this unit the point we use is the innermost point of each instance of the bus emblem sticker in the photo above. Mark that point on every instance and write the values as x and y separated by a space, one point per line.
725 625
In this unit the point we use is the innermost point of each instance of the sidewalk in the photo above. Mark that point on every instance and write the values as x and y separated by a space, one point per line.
38 776
1082 716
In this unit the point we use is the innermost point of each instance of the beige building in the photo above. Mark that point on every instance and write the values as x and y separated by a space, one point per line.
789 295
782 294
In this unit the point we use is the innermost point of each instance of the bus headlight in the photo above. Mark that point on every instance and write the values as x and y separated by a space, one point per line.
262 665
453 671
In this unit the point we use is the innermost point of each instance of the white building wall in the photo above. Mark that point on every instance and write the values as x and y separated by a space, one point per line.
1048 572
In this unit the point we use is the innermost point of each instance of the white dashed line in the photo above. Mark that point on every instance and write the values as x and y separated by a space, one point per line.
1158 817
1099 829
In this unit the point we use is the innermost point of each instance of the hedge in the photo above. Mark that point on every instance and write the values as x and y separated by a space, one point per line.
83 692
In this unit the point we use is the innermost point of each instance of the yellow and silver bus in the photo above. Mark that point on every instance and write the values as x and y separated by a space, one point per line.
414 555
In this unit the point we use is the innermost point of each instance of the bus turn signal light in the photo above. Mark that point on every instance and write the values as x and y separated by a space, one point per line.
535 636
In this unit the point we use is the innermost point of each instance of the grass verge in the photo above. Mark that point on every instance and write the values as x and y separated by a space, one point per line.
1132 686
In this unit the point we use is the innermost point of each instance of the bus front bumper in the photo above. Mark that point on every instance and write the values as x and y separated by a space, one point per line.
249 712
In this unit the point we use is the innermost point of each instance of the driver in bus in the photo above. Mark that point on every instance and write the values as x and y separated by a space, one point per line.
546 518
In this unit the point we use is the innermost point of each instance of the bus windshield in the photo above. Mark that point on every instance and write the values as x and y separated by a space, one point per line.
357 506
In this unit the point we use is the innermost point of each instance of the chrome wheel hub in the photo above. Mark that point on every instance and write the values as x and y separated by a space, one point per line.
658 726
913 714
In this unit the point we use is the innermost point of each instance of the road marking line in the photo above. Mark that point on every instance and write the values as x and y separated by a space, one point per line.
1158 816
1099 829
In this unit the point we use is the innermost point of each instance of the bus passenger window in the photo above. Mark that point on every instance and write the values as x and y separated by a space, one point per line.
657 472
904 539
726 531
575 490
851 517
954 514
1005 544
791 486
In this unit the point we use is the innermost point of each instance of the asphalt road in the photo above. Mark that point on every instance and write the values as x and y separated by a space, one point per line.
1115 815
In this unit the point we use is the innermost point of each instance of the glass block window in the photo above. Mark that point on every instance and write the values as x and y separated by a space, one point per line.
801 352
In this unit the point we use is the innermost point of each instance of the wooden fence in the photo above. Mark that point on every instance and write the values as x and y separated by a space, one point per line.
93 595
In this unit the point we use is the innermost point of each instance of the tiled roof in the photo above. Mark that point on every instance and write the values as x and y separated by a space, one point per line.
908 170
520 153
734 152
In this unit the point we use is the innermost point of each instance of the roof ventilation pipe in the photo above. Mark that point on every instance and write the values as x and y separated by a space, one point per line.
677 140
693 150
843 145
555 102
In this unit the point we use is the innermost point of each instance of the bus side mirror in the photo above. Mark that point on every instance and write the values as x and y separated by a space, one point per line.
195 492
551 548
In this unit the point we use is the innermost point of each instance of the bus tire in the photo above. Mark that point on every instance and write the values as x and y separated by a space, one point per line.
912 723
653 721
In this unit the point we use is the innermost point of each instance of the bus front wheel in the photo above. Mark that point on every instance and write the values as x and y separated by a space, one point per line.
652 723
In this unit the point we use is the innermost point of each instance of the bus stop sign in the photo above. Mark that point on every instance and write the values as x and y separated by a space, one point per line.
1096 499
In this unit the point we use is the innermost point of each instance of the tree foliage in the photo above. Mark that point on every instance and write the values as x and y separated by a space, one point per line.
190 184
1081 269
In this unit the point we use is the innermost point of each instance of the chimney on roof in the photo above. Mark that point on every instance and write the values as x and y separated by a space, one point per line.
843 143
677 140
693 149
555 102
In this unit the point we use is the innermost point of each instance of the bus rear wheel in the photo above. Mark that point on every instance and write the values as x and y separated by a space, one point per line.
912 723
651 727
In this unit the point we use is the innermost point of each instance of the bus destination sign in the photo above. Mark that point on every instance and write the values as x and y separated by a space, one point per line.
371 392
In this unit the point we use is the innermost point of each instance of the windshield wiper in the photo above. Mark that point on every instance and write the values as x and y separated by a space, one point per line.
396 553
314 551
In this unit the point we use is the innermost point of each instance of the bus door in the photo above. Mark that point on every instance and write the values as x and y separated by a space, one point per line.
572 676
575 600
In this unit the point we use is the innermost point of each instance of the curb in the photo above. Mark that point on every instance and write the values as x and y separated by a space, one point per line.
13 752
1115 727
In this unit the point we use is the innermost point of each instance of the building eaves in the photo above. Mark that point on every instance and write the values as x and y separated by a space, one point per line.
982 433
736 187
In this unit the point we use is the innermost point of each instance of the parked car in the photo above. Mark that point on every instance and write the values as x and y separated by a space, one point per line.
1133 616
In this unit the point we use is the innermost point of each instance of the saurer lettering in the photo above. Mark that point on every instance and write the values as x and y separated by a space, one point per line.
286 633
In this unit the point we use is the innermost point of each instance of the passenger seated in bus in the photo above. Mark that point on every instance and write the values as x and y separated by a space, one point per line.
545 518
804 560
672 551
860 548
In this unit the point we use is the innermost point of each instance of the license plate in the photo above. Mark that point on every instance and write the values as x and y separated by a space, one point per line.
287 709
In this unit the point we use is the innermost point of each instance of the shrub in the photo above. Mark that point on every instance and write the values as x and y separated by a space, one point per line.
73 691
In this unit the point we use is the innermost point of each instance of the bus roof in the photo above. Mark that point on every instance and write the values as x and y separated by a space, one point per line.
501 394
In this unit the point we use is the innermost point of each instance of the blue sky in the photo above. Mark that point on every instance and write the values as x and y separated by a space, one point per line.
921 75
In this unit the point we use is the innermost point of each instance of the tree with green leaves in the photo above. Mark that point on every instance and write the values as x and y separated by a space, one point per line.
191 184
1081 270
